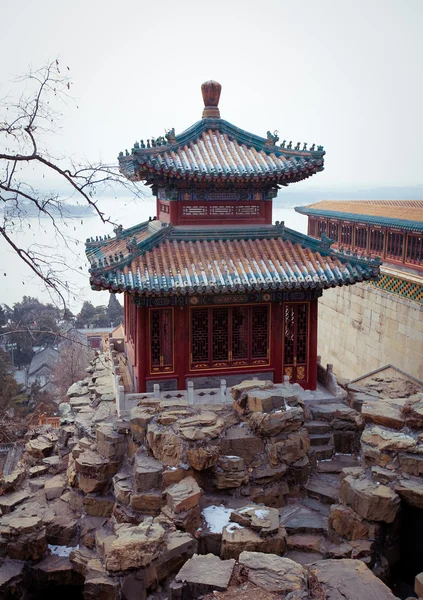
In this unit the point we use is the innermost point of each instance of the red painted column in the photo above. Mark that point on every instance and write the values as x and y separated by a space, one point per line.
141 357
276 330
268 212
312 340
181 347
173 212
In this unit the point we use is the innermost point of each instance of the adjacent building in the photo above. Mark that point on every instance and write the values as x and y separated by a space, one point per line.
213 289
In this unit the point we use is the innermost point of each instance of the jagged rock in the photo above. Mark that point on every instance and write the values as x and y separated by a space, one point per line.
55 570
291 449
413 411
204 426
180 546
306 542
348 524
265 401
418 585
267 473
383 412
203 457
239 441
99 586
273 423
10 501
247 385
122 487
329 412
371 501
230 472
262 519
61 530
135 547
26 538
37 470
93 471
98 506
39 447
237 539
11 579
346 579
411 464
79 388
200 575
148 473
140 417
411 490
165 445
183 495
54 487
273 573
110 444
387 440
148 503
186 520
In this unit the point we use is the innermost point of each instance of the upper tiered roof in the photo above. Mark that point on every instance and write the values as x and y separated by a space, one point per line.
214 150
402 214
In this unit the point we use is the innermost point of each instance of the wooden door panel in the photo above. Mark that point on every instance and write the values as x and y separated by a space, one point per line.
295 341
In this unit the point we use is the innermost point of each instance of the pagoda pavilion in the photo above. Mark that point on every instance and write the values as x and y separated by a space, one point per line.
212 288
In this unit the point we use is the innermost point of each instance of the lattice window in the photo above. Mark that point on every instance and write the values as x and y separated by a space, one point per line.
346 235
321 228
312 224
196 211
240 332
247 210
200 335
164 208
361 237
302 310
161 340
289 331
377 241
394 245
221 210
229 336
132 320
220 341
415 249
334 231
260 332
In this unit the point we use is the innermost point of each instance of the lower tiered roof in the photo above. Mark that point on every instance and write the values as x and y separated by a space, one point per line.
155 258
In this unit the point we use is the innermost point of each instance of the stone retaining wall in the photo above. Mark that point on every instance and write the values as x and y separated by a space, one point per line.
362 328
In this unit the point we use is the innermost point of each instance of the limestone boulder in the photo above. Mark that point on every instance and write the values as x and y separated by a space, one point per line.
148 473
273 423
413 411
186 520
230 472
26 538
180 546
203 457
148 503
412 464
135 546
200 575
346 579
165 445
387 440
348 524
274 573
94 471
97 505
240 441
204 426
411 490
79 388
11 579
294 447
263 519
383 412
110 443
247 385
265 400
183 495
39 447
140 417
54 487
8 502
371 501
237 539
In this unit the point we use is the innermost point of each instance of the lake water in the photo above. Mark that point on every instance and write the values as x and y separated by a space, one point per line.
69 258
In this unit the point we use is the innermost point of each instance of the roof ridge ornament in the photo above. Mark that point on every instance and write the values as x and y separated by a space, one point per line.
211 95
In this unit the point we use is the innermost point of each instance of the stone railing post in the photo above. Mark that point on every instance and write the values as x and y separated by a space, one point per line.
120 400
223 390
286 381
190 388
156 390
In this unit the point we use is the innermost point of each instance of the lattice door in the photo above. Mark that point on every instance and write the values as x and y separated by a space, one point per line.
295 355
161 340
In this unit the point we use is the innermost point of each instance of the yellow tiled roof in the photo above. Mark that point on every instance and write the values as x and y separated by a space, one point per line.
410 210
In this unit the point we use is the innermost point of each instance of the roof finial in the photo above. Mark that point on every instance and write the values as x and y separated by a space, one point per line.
211 94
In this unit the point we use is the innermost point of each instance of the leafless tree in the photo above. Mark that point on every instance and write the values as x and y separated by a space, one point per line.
74 358
26 124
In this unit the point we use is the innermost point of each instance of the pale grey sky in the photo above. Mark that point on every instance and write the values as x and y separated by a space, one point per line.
343 73
346 74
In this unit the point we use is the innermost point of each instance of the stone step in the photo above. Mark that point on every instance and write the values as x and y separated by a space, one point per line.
321 439
337 463
297 518
304 558
324 487
306 542
317 426
321 452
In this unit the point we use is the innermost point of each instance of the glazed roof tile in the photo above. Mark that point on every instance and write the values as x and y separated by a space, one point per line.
215 149
403 214
183 261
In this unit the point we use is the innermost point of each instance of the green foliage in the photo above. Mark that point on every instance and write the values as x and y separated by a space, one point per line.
9 389
115 311
100 316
